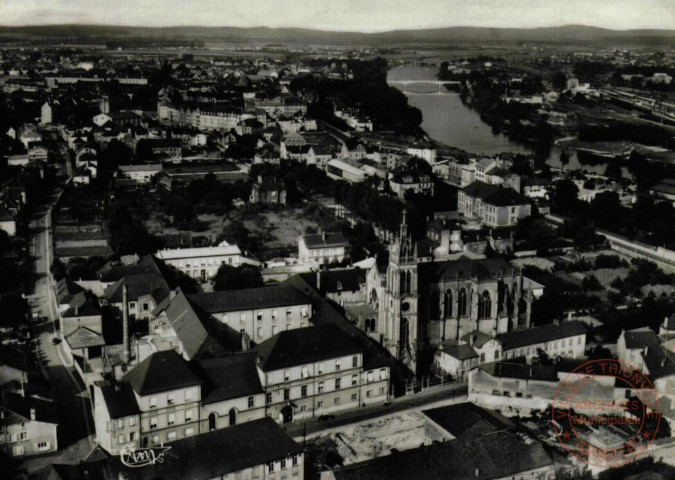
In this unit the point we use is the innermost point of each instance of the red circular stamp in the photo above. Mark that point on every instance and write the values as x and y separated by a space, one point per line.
606 413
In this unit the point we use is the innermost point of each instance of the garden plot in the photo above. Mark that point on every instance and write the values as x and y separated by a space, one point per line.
605 275
374 439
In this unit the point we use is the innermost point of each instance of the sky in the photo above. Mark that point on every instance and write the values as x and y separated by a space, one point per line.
344 15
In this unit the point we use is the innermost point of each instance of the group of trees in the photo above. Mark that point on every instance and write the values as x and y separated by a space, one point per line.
200 196
237 278
368 90
648 220
127 233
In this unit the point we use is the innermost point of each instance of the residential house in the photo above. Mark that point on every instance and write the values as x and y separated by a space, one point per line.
405 179
254 450
141 173
322 248
256 313
202 263
28 425
308 372
157 403
341 170
494 206
268 190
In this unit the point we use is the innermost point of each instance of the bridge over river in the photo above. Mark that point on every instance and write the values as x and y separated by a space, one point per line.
439 83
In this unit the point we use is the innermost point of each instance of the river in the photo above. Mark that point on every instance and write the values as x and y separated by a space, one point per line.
447 120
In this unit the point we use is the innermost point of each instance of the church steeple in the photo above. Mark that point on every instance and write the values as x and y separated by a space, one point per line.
403 250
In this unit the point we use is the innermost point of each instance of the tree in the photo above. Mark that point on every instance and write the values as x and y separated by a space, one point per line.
236 278
591 283
564 198
559 80
564 159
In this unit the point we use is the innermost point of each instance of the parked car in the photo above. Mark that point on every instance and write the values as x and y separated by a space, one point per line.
325 418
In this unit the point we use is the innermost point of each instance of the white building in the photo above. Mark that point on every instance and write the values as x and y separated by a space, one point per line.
322 248
203 262
141 173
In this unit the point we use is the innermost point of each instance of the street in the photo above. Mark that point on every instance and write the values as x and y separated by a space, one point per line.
75 430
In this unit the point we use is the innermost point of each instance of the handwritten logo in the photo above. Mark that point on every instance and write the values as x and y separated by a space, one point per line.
142 457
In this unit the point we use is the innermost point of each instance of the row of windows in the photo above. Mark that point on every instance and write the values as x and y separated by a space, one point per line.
283 464
203 263
171 399
337 385
275 314
14 437
171 419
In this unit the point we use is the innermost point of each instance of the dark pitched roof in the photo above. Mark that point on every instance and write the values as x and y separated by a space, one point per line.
120 403
248 299
233 376
659 361
323 240
83 337
499 455
323 313
140 285
215 454
5 216
546 333
112 273
461 351
161 372
45 411
495 195
12 358
465 268
305 345
333 281
521 370
193 328
82 305
468 419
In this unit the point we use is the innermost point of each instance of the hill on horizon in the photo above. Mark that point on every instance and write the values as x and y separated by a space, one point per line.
566 33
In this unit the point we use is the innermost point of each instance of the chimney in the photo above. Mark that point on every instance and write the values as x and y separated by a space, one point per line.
32 413
125 323
646 351
471 339
260 179
245 341
318 280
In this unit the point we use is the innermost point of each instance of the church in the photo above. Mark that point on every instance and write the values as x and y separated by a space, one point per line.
421 302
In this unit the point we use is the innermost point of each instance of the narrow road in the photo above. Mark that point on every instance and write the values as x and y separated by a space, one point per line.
75 430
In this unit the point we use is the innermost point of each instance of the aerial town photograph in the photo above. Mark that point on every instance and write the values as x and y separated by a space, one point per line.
337 240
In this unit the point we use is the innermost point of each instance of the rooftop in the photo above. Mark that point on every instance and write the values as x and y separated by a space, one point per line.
546 333
305 345
248 299
161 372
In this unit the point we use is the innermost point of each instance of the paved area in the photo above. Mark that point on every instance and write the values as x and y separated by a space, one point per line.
434 397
